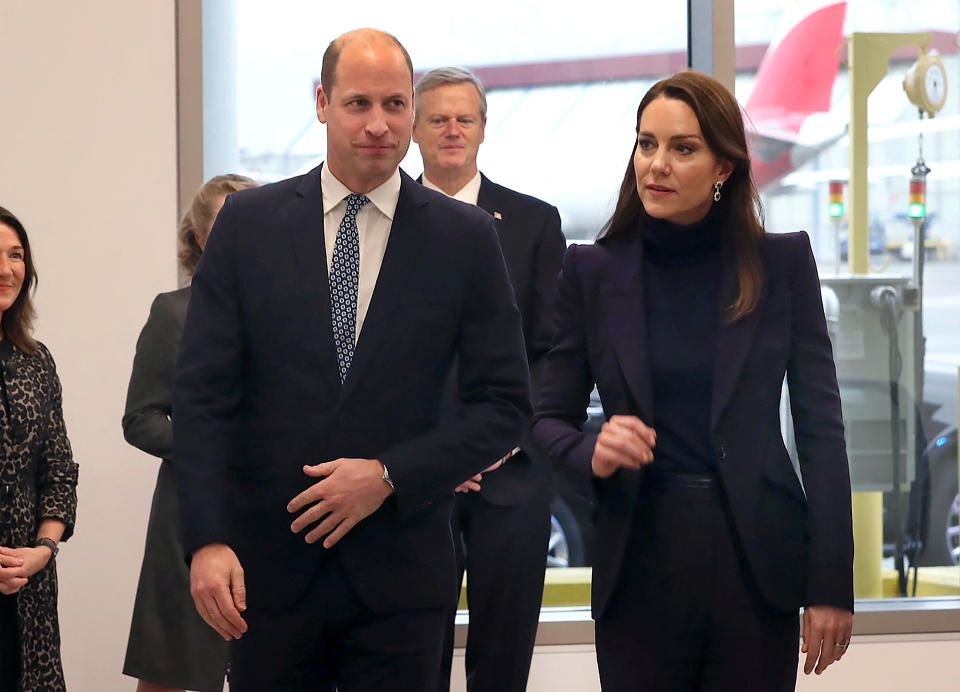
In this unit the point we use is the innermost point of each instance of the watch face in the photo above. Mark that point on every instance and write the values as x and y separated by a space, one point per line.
935 84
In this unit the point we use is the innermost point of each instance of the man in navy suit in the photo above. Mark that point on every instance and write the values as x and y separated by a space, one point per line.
314 476
501 518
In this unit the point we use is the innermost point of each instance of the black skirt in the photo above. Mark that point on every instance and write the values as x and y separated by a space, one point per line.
9 643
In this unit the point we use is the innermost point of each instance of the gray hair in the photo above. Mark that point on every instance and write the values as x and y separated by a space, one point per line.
443 76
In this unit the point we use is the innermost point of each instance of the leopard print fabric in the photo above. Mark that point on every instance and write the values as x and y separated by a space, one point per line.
38 480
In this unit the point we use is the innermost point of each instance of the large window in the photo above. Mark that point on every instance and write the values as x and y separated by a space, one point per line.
562 94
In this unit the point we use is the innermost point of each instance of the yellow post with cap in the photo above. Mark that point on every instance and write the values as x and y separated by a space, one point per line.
868 58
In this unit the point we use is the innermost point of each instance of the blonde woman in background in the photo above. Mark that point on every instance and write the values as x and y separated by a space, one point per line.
170 646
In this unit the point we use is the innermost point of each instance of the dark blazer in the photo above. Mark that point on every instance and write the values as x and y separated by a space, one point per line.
533 247
146 418
797 541
257 392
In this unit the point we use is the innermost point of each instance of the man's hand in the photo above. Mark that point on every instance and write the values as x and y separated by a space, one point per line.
11 567
216 584
473 483
826 636
624 441
351 490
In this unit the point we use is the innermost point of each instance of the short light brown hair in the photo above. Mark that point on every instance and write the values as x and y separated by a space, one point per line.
198 218
331 56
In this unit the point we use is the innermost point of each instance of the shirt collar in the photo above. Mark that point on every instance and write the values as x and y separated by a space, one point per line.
384 197
468 193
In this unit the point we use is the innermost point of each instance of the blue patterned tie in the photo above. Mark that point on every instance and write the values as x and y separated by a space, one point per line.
344 277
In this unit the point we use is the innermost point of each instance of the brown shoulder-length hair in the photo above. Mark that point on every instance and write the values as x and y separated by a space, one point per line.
17 320
739 209
198 218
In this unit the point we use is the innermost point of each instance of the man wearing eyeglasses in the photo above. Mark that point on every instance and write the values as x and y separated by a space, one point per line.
501 517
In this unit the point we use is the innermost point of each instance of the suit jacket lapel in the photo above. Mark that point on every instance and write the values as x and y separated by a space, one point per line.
305 220
402 254
485 197
733 343
487 200
624 310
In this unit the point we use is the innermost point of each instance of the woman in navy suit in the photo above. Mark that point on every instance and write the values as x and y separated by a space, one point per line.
687 315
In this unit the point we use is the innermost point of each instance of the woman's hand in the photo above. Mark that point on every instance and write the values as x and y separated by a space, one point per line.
10 584
623 441
19 564
826 636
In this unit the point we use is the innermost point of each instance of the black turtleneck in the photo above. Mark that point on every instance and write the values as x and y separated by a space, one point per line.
681 270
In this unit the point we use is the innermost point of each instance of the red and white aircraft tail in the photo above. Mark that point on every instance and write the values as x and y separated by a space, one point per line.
792 90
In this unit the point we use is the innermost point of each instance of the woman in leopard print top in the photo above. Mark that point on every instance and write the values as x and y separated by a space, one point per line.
38 480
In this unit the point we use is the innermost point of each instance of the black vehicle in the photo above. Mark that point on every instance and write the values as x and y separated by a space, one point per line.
940 542
571 520
932 521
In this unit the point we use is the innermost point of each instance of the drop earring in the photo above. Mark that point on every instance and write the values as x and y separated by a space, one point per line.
716 190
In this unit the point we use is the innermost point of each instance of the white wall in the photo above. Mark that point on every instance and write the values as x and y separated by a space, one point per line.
873 664
88 163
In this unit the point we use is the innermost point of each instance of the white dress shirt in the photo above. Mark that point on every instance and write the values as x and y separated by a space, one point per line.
468 193
373 223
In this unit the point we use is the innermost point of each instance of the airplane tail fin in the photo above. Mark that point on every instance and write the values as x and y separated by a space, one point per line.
796 75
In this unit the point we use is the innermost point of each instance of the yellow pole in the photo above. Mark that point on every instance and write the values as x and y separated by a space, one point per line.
868 542
868 56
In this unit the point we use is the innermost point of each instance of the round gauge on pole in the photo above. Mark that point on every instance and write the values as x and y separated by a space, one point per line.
935 84
926 83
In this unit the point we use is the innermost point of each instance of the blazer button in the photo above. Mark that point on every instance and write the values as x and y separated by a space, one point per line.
723 453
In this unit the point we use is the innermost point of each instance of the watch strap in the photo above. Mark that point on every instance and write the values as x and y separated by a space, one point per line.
48 543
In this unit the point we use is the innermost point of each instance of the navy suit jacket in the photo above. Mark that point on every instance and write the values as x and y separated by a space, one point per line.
533 247
797 540
258 395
